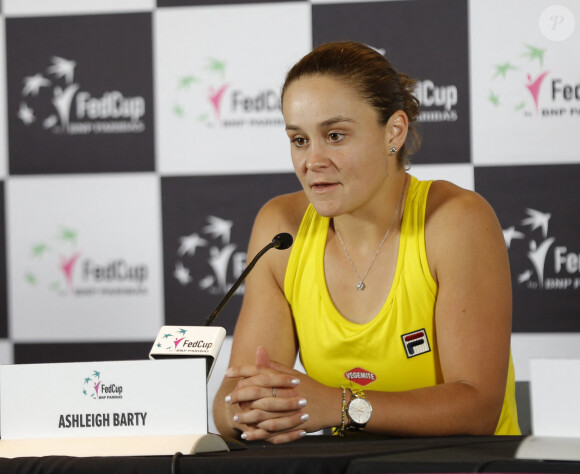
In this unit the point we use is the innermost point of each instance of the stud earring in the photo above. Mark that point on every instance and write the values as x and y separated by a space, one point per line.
392 150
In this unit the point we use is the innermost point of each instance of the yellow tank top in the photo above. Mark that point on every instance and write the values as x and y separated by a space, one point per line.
395 351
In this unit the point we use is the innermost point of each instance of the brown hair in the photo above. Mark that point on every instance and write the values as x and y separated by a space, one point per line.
372 75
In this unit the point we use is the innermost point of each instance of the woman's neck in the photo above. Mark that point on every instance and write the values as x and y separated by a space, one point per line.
368 225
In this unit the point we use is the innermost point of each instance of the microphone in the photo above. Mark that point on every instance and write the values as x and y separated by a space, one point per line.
281 242
205 341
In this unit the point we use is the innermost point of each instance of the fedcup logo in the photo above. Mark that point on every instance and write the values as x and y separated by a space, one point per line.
61 250
177 341
171 341
208 87
551 266
527 70
94 388
59 265
52 100
209 96
522 84
437 101
213 245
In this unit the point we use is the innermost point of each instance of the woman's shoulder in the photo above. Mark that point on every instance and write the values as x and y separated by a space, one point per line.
281 214
457 222
449 201
284 212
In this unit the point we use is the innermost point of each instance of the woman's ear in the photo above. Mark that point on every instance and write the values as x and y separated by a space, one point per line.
396 130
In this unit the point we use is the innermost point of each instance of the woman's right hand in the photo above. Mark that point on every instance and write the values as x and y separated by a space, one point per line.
268 399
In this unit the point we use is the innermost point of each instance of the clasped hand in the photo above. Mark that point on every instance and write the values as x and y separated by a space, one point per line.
271 404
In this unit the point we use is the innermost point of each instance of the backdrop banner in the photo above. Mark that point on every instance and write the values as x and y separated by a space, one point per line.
139 138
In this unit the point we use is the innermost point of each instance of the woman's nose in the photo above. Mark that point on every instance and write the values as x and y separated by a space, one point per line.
316 158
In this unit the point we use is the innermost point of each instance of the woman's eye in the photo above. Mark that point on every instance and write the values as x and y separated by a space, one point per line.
299 141
335 136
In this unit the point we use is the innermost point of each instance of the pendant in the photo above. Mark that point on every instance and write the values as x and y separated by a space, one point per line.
360 286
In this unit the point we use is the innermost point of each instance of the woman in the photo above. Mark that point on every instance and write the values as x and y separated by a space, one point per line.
396 292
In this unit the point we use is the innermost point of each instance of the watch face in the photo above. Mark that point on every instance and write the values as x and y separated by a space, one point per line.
360 411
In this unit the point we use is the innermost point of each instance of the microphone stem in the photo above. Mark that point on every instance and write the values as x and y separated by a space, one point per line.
209 321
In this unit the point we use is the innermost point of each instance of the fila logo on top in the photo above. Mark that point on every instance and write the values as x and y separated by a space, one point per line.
416 343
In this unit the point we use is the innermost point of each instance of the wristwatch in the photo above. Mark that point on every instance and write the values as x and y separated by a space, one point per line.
359 410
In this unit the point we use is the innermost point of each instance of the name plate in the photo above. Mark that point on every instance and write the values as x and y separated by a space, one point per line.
103 399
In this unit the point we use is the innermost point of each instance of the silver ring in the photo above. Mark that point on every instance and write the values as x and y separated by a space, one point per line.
274 391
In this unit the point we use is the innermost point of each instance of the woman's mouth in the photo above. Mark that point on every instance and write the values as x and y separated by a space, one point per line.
323 187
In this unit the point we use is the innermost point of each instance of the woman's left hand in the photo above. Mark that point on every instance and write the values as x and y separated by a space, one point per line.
277 403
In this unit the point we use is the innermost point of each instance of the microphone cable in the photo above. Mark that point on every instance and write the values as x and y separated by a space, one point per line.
174 462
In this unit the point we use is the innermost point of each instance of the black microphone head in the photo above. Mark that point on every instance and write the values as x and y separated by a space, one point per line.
282 241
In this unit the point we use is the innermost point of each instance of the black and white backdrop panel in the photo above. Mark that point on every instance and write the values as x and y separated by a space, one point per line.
138 139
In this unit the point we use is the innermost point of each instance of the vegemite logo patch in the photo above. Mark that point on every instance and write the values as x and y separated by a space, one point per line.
360 376
416 343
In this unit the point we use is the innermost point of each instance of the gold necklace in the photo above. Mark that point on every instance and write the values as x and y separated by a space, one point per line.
361 284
